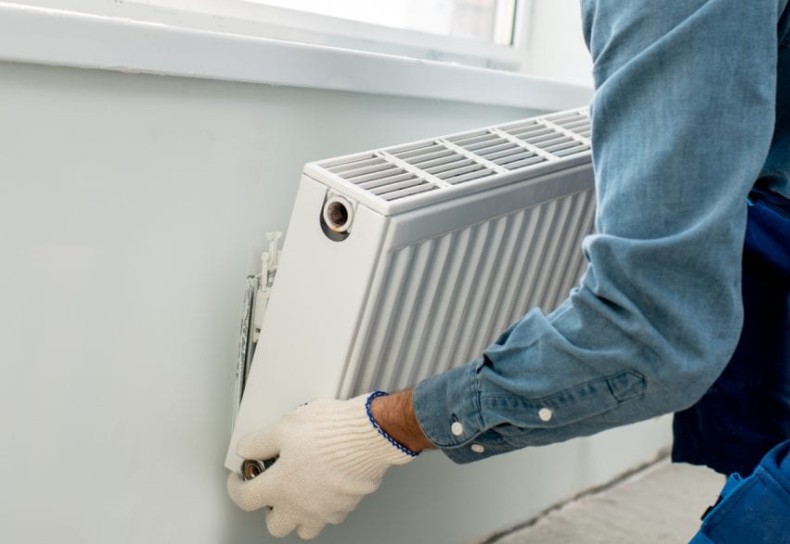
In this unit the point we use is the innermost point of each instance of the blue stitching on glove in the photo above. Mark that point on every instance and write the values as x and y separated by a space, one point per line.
381 431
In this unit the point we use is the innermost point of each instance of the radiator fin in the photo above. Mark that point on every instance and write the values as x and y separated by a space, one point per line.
443 300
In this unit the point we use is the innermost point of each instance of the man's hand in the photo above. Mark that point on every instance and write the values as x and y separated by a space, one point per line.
330 455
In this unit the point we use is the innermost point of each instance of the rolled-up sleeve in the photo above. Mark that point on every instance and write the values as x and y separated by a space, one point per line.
682 123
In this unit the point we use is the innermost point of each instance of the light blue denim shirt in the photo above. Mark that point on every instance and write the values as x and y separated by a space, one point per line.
683 123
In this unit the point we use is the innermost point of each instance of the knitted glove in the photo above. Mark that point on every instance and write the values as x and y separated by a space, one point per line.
331 454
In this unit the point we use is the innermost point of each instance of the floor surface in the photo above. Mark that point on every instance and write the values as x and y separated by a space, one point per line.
660 505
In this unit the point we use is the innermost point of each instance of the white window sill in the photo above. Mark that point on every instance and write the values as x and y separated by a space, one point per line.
63 38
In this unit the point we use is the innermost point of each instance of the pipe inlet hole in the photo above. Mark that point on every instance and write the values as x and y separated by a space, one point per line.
251 468
337 215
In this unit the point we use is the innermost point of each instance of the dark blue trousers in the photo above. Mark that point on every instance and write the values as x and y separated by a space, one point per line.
753 510
747 410
742 424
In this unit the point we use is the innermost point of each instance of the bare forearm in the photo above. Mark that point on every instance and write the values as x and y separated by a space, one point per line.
395 414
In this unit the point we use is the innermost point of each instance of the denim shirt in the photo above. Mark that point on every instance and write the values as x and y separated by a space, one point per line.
683 124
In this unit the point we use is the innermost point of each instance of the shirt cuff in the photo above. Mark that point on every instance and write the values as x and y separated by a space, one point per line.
447 407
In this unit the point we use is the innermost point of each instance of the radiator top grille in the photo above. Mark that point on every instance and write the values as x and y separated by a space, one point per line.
400 178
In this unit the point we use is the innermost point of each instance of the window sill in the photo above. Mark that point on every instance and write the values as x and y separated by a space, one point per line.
64 38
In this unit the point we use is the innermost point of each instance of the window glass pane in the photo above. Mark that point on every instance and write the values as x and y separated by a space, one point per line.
485 20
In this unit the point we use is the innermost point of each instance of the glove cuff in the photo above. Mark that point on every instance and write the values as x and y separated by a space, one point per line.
411 454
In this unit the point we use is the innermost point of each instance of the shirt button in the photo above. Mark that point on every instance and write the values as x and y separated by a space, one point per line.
457 428
545 414
478 448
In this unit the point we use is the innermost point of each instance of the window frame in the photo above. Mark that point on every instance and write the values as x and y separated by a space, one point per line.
75 33
247 18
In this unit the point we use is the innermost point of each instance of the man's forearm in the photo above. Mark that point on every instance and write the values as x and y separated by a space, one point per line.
395 415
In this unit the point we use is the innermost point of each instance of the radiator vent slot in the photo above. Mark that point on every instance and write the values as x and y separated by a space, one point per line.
381 178
490 146
575 121
429 171
436 160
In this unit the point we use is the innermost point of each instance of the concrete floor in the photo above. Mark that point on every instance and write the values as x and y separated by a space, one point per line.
660 505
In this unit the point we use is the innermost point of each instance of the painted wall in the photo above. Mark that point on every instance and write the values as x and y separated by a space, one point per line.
557 49
131 209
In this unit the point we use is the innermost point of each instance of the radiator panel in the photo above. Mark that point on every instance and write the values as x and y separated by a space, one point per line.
446 298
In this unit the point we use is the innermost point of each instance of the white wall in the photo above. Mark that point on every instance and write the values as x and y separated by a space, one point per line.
131 209
556 42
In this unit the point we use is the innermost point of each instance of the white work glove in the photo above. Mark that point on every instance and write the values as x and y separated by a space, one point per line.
330 456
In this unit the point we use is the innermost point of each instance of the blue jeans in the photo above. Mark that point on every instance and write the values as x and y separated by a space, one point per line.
685 118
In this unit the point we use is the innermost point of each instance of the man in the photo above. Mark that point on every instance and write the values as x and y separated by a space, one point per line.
687 94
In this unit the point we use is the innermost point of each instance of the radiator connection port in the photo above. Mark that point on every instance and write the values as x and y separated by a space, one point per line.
337 214
251 468
336 218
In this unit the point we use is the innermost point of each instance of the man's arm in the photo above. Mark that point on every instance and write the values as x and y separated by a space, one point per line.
682 121
395 415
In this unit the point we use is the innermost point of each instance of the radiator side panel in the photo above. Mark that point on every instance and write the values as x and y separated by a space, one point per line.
313 314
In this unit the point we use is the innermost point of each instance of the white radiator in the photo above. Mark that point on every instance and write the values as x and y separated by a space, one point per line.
403 262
